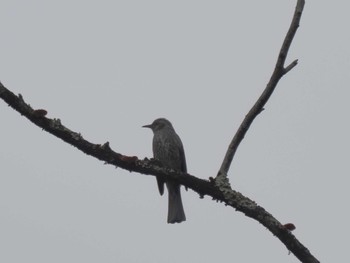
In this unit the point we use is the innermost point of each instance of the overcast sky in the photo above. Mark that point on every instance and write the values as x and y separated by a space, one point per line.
105 68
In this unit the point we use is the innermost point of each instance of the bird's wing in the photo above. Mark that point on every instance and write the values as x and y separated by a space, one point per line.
183 159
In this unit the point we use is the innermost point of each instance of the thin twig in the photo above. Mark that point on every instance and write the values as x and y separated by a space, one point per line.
260 103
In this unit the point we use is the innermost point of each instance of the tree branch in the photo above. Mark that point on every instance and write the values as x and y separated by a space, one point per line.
258 107
150 167
219 189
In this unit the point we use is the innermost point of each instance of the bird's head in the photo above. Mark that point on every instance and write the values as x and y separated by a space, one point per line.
159 124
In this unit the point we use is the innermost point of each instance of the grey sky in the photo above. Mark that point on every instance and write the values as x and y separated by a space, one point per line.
105 68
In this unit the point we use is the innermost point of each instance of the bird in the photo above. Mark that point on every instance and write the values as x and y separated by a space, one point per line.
169 151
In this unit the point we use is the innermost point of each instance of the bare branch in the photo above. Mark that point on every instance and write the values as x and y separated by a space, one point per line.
260 103
219 188
290 66
211 188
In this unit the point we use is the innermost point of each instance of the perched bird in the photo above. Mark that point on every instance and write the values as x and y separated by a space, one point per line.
168 149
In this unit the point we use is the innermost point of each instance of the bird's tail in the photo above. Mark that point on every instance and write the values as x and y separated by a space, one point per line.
176 213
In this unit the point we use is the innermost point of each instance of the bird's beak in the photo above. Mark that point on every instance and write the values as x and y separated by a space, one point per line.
147 126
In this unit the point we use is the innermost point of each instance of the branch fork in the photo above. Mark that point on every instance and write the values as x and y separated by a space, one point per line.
219 188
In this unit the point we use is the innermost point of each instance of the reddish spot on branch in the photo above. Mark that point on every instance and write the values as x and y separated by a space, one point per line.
289 226
39 113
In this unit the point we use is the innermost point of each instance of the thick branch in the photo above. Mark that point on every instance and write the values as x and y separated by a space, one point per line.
260 103
149 167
